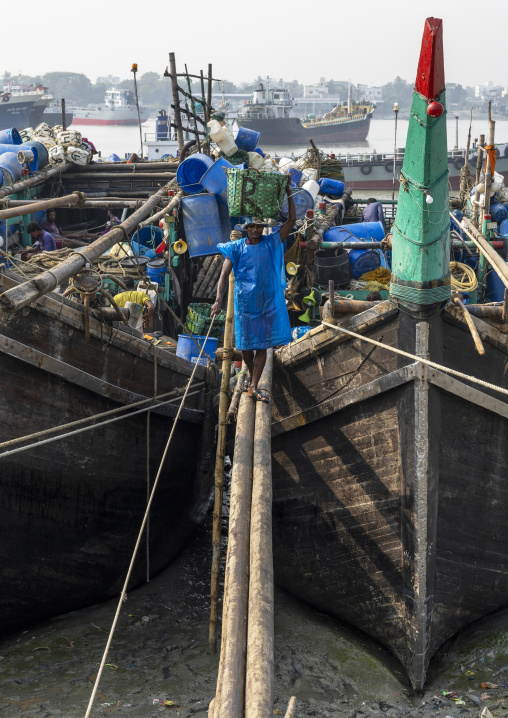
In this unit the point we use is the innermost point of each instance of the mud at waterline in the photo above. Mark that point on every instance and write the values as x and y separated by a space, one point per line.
160 651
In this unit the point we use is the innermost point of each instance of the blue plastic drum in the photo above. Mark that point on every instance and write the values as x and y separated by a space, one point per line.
498 212
190 172
246 139
10 137
303 202
215 180
156 270
202 224
10 167
335 188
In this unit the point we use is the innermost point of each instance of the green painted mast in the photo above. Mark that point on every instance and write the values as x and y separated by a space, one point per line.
421 233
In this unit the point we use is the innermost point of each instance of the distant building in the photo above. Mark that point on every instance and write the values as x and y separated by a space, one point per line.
489 91
369 92
108 80
317 91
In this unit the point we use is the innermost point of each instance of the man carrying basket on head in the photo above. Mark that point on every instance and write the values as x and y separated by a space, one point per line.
261 317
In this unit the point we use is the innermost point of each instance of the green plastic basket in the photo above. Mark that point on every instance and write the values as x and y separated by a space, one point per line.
198 320
253 193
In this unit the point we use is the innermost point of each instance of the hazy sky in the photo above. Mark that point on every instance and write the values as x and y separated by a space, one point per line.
366 41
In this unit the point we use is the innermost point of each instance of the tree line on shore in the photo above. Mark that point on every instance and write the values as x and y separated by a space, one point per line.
155 89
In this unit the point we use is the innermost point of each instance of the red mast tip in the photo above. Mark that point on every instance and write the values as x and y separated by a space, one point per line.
430 75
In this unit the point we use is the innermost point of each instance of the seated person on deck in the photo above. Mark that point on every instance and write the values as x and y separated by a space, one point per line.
42 241
49 225
131 295
261 317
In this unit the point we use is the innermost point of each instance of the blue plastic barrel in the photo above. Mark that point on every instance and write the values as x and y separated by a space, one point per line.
11 228
187 349
190 172
143 251
296 176
246 139
363 261
10 137
113 158
42 152
331 187
215 180
303 202
149 237
202 224
10 167
494 290
156 270
503 228
362 230
498 212
34 165
259 151
1 178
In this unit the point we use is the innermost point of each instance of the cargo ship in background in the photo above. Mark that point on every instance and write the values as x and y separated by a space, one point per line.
23 105
118 108
271 112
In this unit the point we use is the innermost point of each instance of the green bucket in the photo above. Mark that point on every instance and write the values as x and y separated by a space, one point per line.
256 194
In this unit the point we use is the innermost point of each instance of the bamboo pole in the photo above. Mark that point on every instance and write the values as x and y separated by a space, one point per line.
90 202
127 167
69 199
235 399
219 466
170 174
260 635
230 697
471 325
37 178
498 265
176 101
21 295
488 168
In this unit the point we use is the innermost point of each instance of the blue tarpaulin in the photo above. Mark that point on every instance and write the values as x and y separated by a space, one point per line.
261 317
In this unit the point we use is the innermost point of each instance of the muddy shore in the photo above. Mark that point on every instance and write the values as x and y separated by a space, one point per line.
160 651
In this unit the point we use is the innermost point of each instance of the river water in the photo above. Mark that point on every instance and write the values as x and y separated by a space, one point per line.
124 140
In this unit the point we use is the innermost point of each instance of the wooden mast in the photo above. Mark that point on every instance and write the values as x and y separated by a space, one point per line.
421 233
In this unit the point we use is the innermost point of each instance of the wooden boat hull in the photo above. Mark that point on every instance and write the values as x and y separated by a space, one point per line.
390 482
70 510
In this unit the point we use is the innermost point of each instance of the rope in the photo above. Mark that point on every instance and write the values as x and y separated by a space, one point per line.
432 364
123 595
463 277
38 434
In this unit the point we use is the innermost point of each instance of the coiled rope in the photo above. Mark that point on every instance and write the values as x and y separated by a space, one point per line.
463 277
123 595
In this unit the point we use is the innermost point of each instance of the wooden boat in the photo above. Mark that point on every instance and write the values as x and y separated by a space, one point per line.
390 477
70 510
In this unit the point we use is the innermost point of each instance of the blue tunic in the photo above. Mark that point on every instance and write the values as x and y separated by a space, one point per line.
261 317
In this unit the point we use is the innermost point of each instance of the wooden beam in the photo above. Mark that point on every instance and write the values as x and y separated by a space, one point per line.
330 406
468 393
37 178
43 204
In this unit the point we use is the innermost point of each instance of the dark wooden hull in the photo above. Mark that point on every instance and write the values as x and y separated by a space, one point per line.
70 510
391 483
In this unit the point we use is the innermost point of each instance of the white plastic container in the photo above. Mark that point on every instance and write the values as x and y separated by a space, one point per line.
56 155
222 137
308 174
285 164
44 130
255 160
312 188
78 156
69 138
121 250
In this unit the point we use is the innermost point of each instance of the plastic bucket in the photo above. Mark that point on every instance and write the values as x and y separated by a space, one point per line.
312 188
215 180
190 172
363 261
34 165
10 137
332 264
187 349
335 188
10 167
498 212
42 152
155 270
202 224
143 251
246 139
303 202
296 176
503 228
1 178
149 237
259 151
494 290
363 230
285 164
